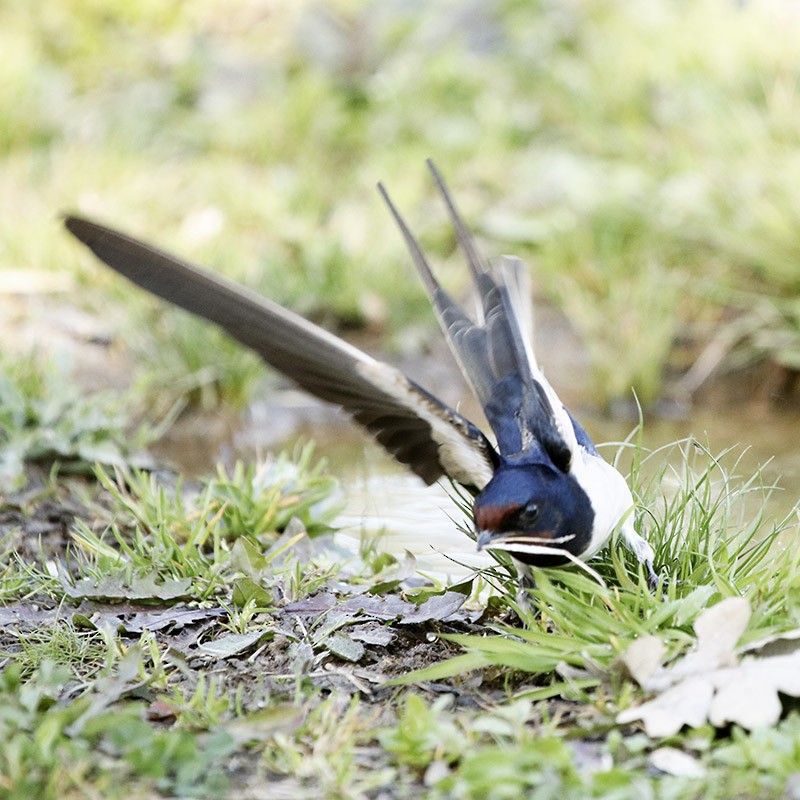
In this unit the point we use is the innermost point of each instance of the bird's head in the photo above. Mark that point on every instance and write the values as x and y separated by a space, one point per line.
532 511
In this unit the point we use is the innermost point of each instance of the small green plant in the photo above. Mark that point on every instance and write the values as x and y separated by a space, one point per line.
543 766
204 708
53 745
38 759
171 541
258 500
20 579
47 419
325 750
424 733
253 501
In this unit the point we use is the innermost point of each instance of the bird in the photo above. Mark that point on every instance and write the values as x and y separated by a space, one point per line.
540 490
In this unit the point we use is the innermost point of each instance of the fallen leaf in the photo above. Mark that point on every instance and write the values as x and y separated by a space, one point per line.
235 643
344 647
748 695
687 703
302 658
357 608
318 604
718 630
379 606
779 644
28 614
710 683
438 607
672 761
644 657
175 618
149 587
373 633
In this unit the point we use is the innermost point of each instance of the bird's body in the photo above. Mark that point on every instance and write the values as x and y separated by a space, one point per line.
542 492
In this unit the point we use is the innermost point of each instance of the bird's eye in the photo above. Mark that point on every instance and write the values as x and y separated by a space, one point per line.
529 514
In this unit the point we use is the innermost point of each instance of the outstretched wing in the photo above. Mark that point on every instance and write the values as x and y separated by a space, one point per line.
415 427
494 351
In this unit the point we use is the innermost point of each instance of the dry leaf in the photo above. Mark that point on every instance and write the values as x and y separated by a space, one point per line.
779 644
644 657
438 607
675 762
687 703
117 587
235 643
373 633
344 647
710 683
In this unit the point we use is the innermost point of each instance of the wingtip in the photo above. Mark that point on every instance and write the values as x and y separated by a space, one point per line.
432 168
381 189
76 225
468 247
411 243
88 231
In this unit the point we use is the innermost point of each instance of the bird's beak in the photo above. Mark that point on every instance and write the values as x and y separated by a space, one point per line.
484 538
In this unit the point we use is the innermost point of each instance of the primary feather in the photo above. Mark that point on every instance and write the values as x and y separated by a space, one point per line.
414 426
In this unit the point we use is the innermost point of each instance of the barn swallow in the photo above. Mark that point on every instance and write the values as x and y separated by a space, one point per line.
541 490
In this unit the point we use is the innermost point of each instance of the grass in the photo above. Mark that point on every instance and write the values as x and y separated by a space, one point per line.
710 544
163 544
47 419
199 638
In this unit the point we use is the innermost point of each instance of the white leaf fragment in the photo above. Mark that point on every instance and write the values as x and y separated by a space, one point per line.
675 762
710 683
687 703
644 657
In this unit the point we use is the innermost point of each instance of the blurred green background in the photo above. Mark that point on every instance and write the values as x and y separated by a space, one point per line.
641 156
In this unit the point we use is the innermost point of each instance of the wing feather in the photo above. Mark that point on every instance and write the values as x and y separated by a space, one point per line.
416 428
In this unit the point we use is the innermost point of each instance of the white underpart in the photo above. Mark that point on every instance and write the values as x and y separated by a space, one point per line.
461 459
612 502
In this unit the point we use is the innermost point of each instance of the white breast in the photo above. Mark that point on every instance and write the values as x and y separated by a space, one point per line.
608 493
